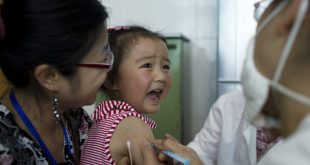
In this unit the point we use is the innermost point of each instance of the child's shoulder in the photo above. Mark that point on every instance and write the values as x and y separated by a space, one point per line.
131 129
109 108
115 123
117 111
124 124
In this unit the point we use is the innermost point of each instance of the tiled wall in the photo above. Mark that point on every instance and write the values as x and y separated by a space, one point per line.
236 26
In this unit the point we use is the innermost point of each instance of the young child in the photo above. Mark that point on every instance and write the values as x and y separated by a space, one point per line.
138 83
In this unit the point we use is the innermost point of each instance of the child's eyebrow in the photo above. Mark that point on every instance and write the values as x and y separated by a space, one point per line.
152 57
168 60
145 58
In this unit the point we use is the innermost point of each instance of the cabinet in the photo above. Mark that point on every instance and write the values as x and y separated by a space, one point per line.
171 115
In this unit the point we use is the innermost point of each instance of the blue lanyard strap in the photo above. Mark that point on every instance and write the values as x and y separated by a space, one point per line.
68 146
31 128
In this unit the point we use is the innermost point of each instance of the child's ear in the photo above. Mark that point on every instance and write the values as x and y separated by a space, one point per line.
48 77
110 84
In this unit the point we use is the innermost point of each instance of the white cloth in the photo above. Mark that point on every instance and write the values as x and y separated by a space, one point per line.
293 150
227 138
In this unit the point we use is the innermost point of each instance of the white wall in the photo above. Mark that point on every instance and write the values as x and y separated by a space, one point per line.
197 20
236 26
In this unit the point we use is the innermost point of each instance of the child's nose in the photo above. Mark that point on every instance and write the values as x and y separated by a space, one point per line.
160 75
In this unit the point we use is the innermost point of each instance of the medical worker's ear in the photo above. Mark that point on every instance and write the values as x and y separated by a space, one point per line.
110 84
289 16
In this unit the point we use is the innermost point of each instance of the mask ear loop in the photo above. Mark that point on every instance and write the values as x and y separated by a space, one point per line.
291 38
303 7
271 16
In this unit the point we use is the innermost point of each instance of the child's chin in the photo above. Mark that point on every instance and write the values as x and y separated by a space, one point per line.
152 110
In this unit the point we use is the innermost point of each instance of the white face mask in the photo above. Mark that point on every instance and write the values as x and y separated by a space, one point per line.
256 86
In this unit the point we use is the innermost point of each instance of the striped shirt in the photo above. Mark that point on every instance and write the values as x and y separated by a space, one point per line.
263 144
106 118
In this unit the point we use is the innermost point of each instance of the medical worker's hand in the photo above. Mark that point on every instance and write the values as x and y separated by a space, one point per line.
170 143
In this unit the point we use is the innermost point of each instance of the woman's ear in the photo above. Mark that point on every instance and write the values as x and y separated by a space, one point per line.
48 77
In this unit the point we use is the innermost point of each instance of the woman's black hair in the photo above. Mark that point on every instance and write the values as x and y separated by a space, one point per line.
55 32
123 38
59 33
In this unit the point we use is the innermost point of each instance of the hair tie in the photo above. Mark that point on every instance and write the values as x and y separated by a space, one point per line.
118 28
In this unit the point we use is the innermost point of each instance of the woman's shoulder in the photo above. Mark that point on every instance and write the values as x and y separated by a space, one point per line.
6 119
3 111
15 146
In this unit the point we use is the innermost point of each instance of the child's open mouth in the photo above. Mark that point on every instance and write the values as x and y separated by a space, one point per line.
154 96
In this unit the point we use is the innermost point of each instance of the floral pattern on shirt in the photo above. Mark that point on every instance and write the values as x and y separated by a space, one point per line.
17 147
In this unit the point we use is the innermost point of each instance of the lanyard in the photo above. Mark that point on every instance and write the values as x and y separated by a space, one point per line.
66 138
34 132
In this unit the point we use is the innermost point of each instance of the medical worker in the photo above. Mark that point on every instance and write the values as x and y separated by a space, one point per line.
276 73
227 137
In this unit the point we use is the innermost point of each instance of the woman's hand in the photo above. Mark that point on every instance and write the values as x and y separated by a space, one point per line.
124 161
148 153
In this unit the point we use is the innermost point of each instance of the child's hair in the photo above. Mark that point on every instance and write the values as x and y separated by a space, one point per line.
122 39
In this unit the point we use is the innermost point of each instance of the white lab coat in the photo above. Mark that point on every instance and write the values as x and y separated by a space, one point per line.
227 138
293 150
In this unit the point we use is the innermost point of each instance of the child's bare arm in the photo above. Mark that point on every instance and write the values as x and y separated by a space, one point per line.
131 129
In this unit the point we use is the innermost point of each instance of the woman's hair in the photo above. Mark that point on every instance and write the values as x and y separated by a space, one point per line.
4 84
59 33
123 38
55 32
